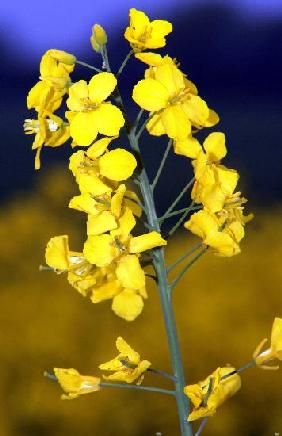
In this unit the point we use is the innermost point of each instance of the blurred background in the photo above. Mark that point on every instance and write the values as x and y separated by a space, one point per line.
232 50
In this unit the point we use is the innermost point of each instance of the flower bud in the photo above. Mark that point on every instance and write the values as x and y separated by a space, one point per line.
98 38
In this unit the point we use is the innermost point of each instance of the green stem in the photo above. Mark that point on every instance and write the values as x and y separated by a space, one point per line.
188 266
183 257
162 373
241 369
178 212
126 59
138 118
202 425
136 388
84 64
178 198
164 158
180 221
164 292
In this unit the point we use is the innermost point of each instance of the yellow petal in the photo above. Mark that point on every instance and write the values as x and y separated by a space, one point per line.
175 122
276 337
84 203
106 291
101 86
150 95
109 119
75 384
127 351
126 224
83 128
77 93
223 244
138 20
145 242
117 165
196 110
214 145
160 28
100 250
202 223
129 272
128 305
92 184
57 252
170 77
155 125
117 199
189 147
98 148
101 223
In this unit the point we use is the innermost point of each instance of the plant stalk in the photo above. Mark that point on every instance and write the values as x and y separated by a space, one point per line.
164 292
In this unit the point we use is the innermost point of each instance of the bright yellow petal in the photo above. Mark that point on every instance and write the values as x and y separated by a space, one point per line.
117 165
117 200
126 224
78 92
197 110
214 145
127 351
101 86
202 223
83 128
129 272
101 223
176 122
98 148
84 203
100 250
170 77
128 305
145 242
150 95
75 384
276 336
109 119
138 21
92 184
106 291
155 125
57 252
189 147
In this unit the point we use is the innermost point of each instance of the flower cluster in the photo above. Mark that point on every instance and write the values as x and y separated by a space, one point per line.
46 97
109 266
127 367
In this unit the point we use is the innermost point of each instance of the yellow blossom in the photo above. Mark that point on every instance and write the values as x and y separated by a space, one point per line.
75 384
127 366
222 237
98 38
90 113
207 395
49 131
143 33
44 98
55 67
166 91
262 358
117 164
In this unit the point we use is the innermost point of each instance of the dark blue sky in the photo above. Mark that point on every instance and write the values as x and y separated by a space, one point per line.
231 49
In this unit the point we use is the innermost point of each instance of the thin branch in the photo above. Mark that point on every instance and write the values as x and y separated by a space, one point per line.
180 221
84 64
202 425
178 198
184 256
138 118
188 266
164 158
137 388
162 373
126 59
178 212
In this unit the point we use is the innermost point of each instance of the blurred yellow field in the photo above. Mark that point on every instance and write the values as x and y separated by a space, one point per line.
224 308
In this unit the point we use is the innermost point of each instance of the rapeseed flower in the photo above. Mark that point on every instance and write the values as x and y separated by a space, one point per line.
89 113
143 33
127 366
98 38
75 384
166 91
262 358
209 394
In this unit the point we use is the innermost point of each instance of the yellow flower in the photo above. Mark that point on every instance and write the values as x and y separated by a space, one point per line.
143 33
166 90
275 350
223 237
49 131
44 98
75 384
207 395
82 275
214 182
98 38
127 366
117 165
55 67
90 114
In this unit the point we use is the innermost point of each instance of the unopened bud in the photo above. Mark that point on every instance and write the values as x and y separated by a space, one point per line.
98 38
